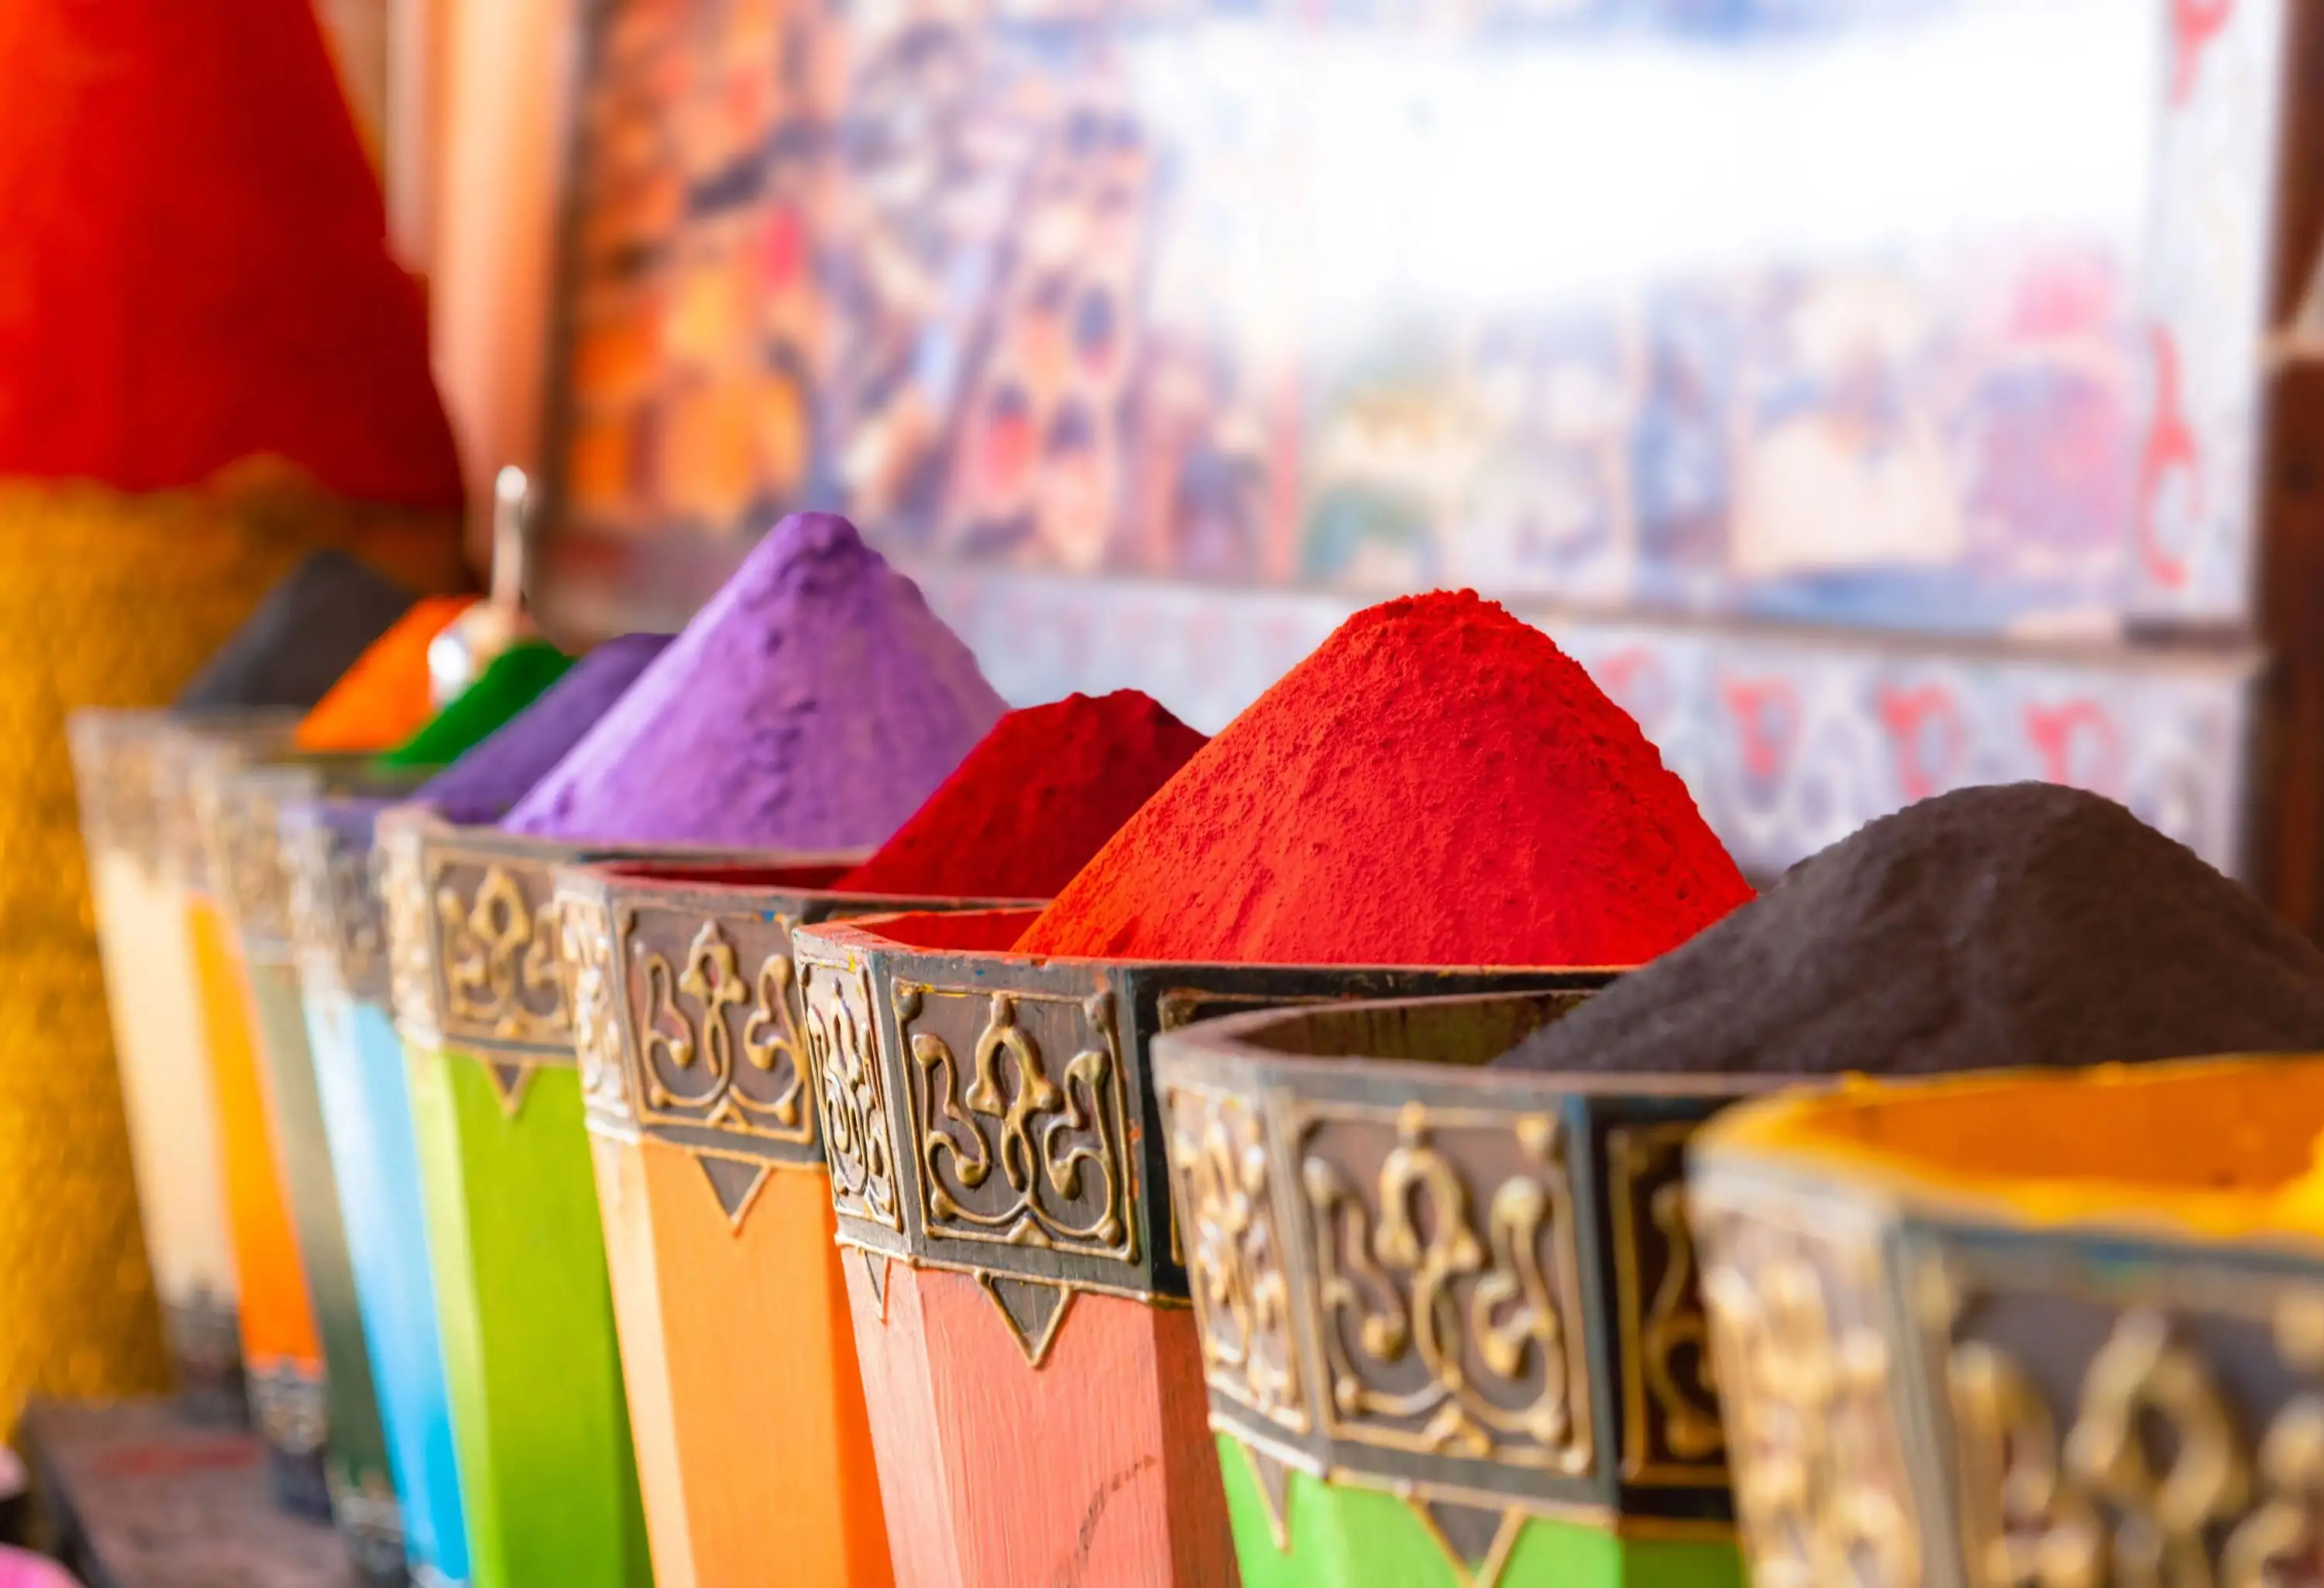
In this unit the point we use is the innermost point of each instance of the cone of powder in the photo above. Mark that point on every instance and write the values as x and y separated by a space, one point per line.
515 678
384 698
813 705
309 628
1033 801
2013 925
482 785
1438 784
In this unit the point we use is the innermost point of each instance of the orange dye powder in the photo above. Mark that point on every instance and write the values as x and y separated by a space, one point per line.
384 698
278 1324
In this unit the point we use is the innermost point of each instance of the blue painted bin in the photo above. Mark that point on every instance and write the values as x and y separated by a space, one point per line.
359 1070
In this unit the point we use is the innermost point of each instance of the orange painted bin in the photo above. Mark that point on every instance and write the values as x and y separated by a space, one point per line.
282 1348
738 1353
996 1156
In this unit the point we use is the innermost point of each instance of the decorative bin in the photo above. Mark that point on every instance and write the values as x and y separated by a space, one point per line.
1016 1283
282 1348
2045 1328
340 932
1448 1314
540 1421
131 780
718 1220
241 805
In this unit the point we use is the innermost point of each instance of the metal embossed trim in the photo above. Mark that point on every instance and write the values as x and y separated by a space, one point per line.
496 925
338 922
289 1406
368 1516
718 1060
1236 1266
116 759
241 816
1823 1493
851 1095
1448 1286
411 950
585 928
1019 1121
2181 1440
1671 1431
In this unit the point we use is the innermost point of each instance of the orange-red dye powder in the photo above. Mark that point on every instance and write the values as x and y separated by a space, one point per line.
384 698
1438 784
196 270
1033 800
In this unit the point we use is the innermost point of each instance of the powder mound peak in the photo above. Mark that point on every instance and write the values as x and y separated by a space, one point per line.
2004 925
482 784
310 628
196 270
811 705
1034 800
1436 784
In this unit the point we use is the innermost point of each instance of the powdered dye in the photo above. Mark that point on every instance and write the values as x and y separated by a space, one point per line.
309 630
2022 924
384 696
1033 801
515 678
484 783
1438 784
813 704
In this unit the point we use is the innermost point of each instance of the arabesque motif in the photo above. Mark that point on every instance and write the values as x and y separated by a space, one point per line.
500 975
1235 1267
1007 1152
850 1094
1450 1314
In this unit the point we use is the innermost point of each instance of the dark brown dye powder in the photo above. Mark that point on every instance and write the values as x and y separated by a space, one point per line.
2019 924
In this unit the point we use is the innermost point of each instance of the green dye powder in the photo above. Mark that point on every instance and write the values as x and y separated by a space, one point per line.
516 679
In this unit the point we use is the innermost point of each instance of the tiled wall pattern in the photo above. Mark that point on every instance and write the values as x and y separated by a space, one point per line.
1790 740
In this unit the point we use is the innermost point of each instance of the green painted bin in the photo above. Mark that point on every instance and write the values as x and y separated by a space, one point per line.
1450 1326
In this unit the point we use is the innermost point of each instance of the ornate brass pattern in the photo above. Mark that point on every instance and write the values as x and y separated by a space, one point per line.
1670 1407
717 1050
117 763
501 978
336 914
2153 1478
242 819
411 981
2100 1506
586 930
1235 1268
2284 1536
289 1406
850 1094
1820 1485
1448 1283
1005 1151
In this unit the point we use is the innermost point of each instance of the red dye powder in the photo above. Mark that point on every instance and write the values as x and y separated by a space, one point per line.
195 269
1438 784
1033 801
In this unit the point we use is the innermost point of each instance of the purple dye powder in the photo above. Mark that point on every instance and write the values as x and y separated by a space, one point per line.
813 705
482 785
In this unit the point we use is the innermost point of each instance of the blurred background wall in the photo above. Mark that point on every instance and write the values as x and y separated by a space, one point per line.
1876 395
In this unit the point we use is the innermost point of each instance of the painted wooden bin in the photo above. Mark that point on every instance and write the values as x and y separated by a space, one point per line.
2044 1329
539 1416
1016 1280
281 1348
1449 1322
131 781
718 1222
244 808
340 930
